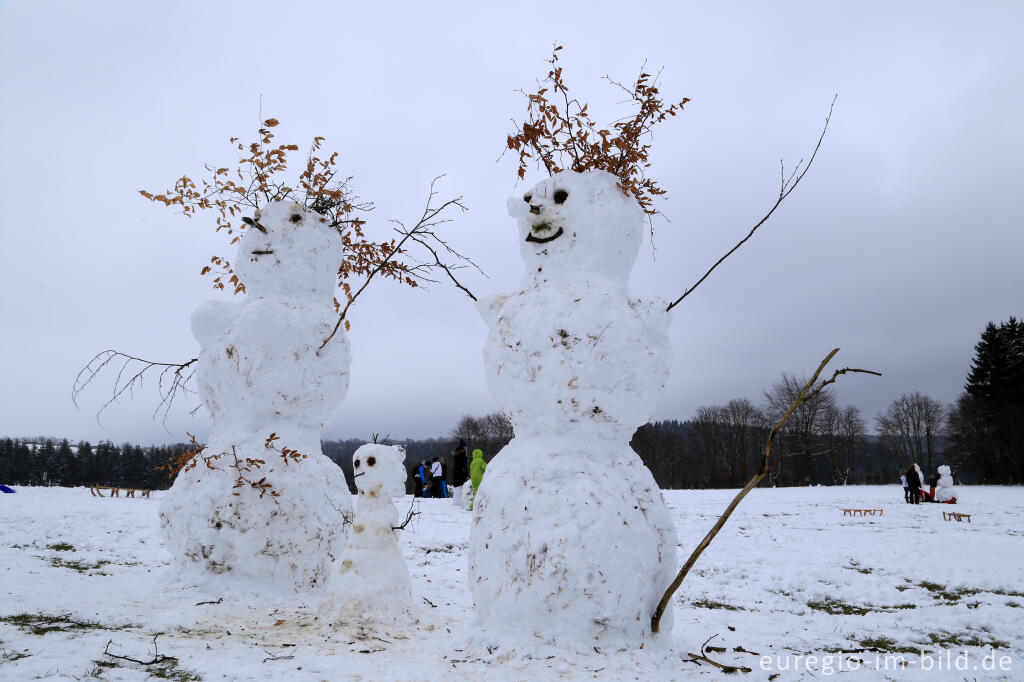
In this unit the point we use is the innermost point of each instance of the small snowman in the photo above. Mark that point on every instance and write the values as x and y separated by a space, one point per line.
944 491
572 544
369 582
261 371
920 477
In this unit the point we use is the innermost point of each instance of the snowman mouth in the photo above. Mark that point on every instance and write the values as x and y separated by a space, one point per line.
543 240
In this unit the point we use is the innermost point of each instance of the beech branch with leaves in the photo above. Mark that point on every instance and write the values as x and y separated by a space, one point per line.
559 133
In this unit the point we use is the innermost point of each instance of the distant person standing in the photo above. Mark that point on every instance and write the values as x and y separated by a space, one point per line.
906 487
460 470
424 479
476 471
436 478
914 482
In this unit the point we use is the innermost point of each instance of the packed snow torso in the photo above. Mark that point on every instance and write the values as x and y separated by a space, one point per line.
578 353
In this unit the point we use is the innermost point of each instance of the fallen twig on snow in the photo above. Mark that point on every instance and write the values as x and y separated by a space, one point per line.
271 656
157 656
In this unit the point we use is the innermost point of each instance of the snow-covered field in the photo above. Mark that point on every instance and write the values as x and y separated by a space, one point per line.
789 576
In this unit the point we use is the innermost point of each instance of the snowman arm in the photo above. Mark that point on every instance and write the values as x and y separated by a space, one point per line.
654 312
210 319
490 307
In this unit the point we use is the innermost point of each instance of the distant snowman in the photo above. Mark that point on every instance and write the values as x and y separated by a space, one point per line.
572 544
261 371
369 582
944 490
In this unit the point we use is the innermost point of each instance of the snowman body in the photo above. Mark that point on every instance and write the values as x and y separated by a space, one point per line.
261 371
369 581
944 490
572 545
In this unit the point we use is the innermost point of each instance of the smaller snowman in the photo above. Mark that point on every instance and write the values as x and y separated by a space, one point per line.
920 477
369 582
944 491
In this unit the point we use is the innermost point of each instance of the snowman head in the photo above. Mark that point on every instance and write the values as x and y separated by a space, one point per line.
944 470
574 225
378 469
289 252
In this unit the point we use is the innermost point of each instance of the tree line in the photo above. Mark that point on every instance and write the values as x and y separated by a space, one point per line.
981 436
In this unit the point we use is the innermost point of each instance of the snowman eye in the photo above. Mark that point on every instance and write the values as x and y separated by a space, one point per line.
560 196
357 464
527 197
370 461
296 217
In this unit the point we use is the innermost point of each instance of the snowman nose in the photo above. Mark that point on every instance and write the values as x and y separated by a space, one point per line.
534 209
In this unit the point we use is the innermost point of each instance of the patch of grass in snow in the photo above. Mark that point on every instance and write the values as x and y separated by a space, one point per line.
449 548
838 608
940 592
42 623
1013 604
173 672
710 604
887 645
855 566
949 639
166 670
76 565
1006 593
61 547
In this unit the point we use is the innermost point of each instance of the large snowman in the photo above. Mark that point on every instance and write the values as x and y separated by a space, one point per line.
370 582
572 544
261 371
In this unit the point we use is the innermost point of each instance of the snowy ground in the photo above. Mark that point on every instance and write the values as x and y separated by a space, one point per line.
788 576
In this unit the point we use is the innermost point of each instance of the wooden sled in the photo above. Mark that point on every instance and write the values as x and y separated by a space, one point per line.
97 491
863 512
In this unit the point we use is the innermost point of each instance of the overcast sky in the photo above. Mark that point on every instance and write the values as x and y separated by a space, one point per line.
903 241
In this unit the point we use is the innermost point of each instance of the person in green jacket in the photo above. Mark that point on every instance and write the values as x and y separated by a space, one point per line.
476 471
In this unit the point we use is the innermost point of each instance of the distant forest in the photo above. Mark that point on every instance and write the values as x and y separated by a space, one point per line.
677 453
980 436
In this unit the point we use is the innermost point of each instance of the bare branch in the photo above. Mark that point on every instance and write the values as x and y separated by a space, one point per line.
423 234
808 392
786 186
408 515
172 378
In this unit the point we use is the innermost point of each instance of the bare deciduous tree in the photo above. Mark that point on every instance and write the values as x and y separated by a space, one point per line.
490 433
911 426
800 437
728 437
843 434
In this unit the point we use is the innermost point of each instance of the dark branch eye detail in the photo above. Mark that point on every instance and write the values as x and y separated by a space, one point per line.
357 464
370 461
296 217
560 196
527 197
